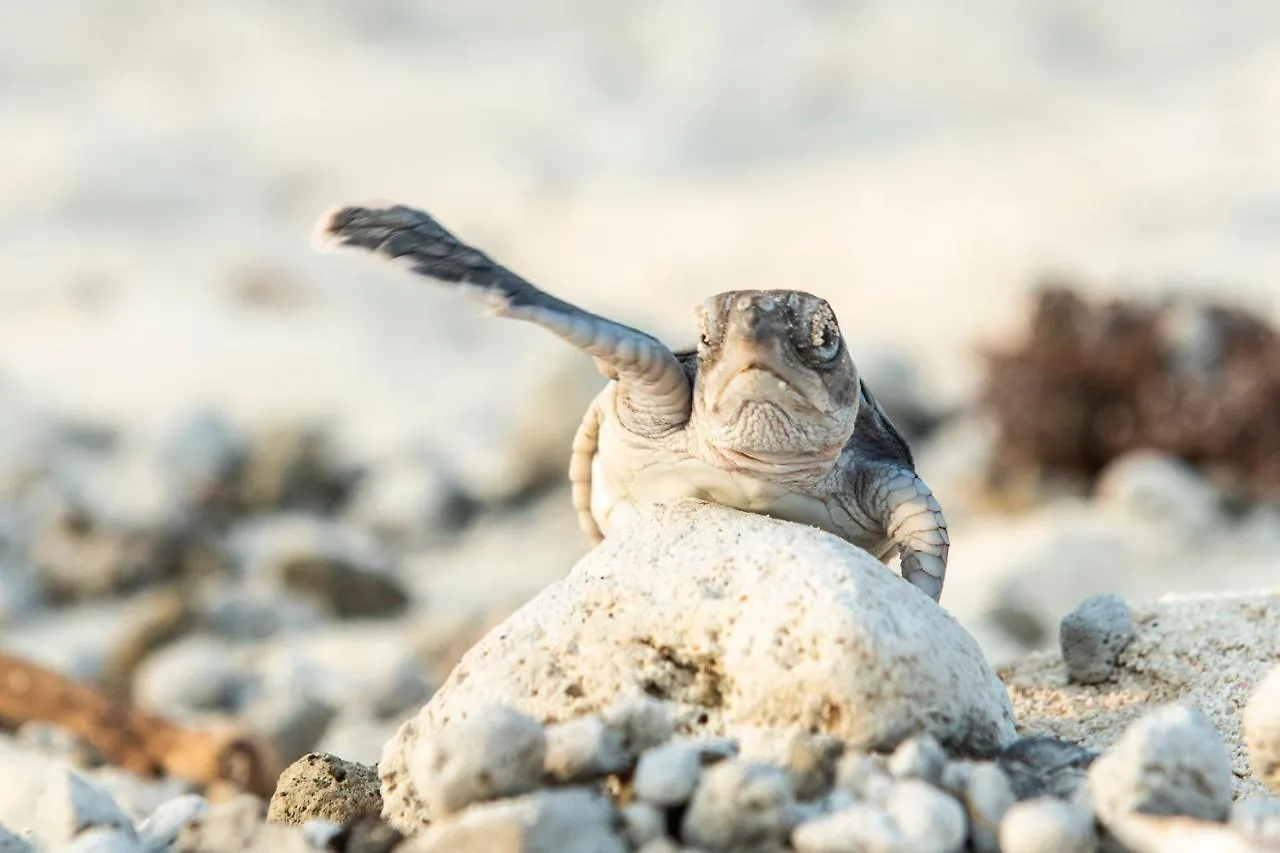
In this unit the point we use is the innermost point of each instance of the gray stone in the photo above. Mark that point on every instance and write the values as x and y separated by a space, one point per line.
227 827
810 759
496 752
1043 765
865 777
642 823
205 456
640 721
339 568
565 820
1093 635
853 829
987 796
691 604
919 757
1047 825
161 830
1257 817
11 843
324 787
739 804
197 673
584 749
293 722
410 500
667 775
1171 761
1153 486
1261 726
928 820
71 803
103 840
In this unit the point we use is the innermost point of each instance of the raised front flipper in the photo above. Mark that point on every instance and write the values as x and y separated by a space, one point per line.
649 375
885 487
913 519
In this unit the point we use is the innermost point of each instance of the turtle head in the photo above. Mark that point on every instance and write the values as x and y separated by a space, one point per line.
774 375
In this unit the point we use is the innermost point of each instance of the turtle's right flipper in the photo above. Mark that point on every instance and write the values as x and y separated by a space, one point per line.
655 380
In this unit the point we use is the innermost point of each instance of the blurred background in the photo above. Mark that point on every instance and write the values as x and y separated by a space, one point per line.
241 478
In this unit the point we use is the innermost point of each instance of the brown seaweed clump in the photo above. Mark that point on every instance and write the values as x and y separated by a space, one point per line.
1093 380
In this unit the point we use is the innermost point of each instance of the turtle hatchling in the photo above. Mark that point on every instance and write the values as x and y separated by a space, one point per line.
767 414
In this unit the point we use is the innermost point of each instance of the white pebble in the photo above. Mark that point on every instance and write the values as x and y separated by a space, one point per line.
919 757
103 840
641 721
738 804
10 843
1093 635
1154 486
929 820
864 777
1171 761
71 804
853 829
987 796
583 749
1261 726
564 820
161 830
642 823
668 775
1255 817
1047 825
497 752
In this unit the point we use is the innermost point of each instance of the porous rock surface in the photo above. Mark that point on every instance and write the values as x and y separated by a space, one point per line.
737 620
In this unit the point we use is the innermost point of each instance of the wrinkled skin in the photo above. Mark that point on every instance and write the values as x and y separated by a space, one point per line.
767 415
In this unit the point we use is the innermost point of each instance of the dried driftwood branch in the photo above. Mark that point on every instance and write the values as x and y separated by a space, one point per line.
130 737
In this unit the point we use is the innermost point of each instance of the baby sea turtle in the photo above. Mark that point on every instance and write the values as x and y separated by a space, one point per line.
767 414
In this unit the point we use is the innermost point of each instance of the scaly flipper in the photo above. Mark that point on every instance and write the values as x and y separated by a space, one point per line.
914 521
891 495
648 374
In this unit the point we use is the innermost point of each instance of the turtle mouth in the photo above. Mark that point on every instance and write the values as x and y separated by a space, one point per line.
755 385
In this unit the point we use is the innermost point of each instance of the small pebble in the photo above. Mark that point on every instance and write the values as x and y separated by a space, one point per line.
1256 817
987 796
1047 825
230 825
641 722
738 804
1093 635
853 829
103 840
864 777
642 823
919 757
564 820
10 843
955 778
497 752
809 758
71 804
160 831
324 787
1045 765
1261 726
667 776
929 820
1171 761
583 749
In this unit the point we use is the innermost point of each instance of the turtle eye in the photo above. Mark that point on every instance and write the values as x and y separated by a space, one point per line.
824 343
